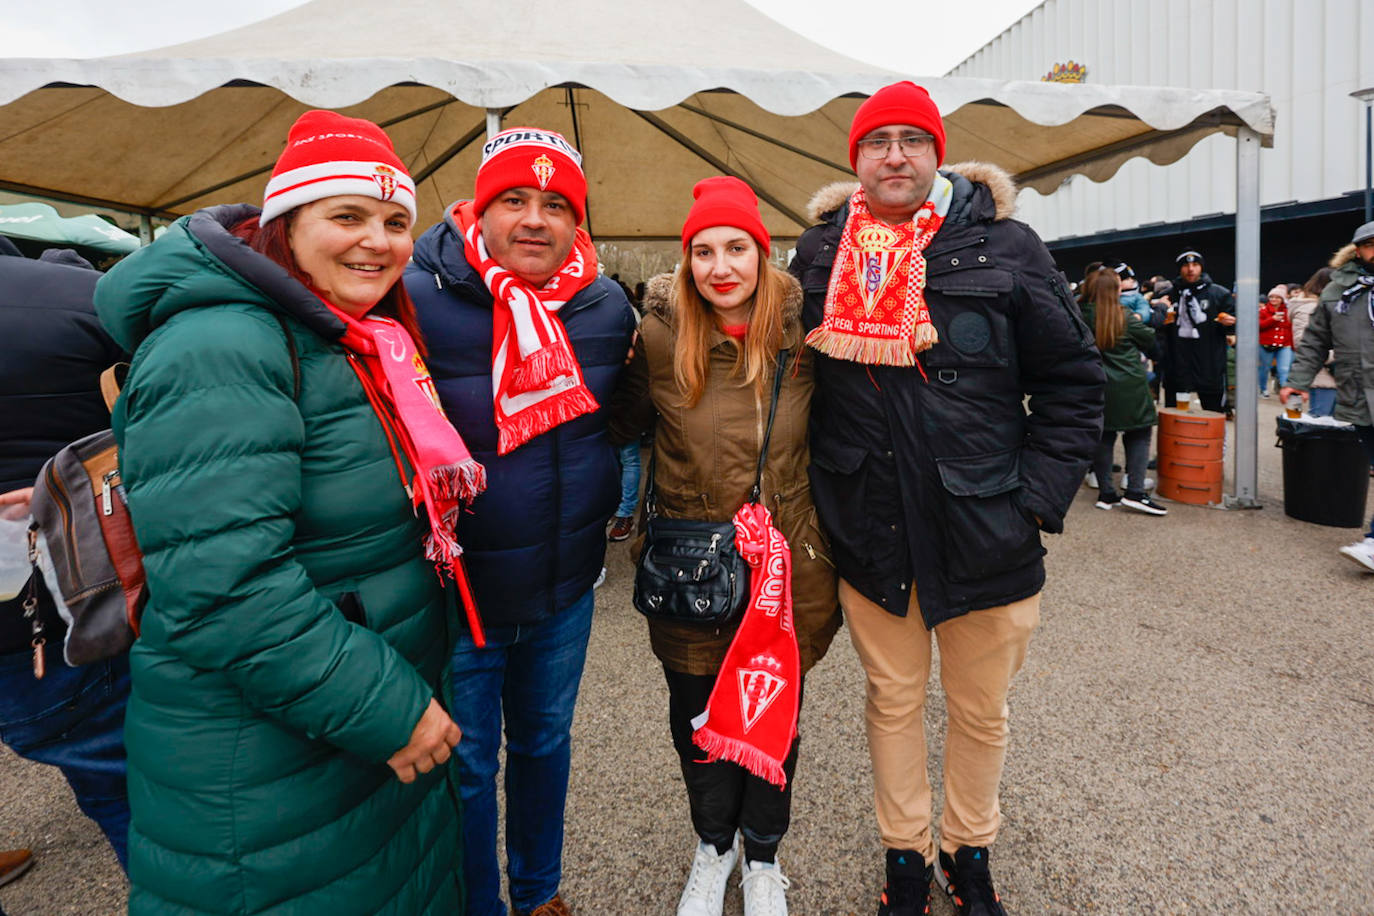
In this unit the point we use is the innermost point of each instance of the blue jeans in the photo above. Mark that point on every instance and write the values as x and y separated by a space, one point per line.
1281 360
629 479
73 719
529 675
1321 402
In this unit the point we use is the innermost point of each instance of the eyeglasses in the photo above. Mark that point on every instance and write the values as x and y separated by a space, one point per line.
910 145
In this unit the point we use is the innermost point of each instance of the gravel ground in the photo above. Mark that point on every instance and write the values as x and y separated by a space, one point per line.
1191 733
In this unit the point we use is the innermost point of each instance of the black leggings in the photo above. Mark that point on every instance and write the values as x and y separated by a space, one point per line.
724 796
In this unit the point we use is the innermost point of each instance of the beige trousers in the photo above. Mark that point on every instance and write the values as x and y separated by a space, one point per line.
979 653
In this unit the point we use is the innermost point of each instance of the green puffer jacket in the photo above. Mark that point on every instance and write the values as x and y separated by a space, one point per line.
295 633
1129 402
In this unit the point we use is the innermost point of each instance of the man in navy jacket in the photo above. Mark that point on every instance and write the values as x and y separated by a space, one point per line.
534 541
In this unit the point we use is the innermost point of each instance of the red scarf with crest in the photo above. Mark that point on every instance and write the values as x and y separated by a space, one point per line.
536 381
875 307
751 717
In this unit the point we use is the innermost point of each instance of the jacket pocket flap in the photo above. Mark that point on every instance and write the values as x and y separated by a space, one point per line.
836 456
974 282
981 475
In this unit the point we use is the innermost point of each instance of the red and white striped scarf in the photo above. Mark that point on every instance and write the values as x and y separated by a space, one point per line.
536 381
751 717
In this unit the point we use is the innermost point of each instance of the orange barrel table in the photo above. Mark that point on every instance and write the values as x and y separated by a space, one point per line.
1189 462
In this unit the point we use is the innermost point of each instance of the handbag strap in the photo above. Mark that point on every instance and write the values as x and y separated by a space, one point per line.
756 491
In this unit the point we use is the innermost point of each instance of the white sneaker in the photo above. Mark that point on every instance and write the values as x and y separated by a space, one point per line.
704 894
600 579
1361 552
1091 480
765 889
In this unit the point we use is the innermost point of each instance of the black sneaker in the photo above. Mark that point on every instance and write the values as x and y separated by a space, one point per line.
907 891
1107 501
967 880
1144 504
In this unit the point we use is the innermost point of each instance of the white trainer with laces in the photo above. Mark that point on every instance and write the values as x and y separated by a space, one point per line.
1361 552
765 889
704 894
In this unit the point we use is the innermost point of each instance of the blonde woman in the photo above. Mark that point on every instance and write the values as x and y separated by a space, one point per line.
705 366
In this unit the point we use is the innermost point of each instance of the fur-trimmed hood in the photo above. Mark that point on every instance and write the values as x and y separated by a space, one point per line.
1343 256
830 198
658 300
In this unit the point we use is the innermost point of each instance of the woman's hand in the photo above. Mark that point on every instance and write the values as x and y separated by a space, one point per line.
431 744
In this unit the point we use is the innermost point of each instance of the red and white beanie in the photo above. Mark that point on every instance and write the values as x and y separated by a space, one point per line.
529 157
329 155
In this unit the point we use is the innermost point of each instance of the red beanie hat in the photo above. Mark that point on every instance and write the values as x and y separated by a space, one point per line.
528 157
725 201
328 155
900 103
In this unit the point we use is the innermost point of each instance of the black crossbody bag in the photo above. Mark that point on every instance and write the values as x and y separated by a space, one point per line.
690 570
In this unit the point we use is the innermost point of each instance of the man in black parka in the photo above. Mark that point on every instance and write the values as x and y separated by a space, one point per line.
1204 313
935 470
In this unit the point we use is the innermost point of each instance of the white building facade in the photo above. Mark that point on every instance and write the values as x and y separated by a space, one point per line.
1308 55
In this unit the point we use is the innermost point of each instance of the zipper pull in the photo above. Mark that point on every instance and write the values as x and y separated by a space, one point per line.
715 540
106 504
810 551
438 284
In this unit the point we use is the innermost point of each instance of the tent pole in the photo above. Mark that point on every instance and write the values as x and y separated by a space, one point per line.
145 229
1247 319
493 122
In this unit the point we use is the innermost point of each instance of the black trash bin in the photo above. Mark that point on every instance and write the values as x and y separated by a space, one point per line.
1325 473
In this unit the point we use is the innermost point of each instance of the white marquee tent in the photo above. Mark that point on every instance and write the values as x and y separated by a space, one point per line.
656 95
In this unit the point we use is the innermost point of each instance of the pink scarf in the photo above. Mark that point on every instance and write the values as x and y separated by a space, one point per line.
536 381
446 476
751 717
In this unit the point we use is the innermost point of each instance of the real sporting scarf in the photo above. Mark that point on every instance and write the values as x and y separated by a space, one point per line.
445 475
536 381
751 717
875 306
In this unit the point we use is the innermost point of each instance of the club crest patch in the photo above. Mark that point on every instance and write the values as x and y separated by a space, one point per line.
758 688
385 176
877 259
543 169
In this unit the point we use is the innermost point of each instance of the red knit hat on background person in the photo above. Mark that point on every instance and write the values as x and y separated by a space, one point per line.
529 157
724 200
900 103
328 155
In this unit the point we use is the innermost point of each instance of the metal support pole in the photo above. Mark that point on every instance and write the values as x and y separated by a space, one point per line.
493 122
1247 319
1368 163
145 229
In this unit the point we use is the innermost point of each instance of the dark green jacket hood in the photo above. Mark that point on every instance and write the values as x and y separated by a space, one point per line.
198 262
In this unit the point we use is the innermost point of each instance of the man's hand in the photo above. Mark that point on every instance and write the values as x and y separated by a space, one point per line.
634 341
1225 319
1285 393
431 744
15 504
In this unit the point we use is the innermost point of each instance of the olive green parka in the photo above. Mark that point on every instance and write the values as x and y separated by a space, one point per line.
705 459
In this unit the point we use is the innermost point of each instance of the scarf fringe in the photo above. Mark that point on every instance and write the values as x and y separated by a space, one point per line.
857 349
442 549
544 416
463 482
721 747
540 368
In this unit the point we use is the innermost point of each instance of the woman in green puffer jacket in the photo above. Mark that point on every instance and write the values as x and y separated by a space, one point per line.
1121 338
287 734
